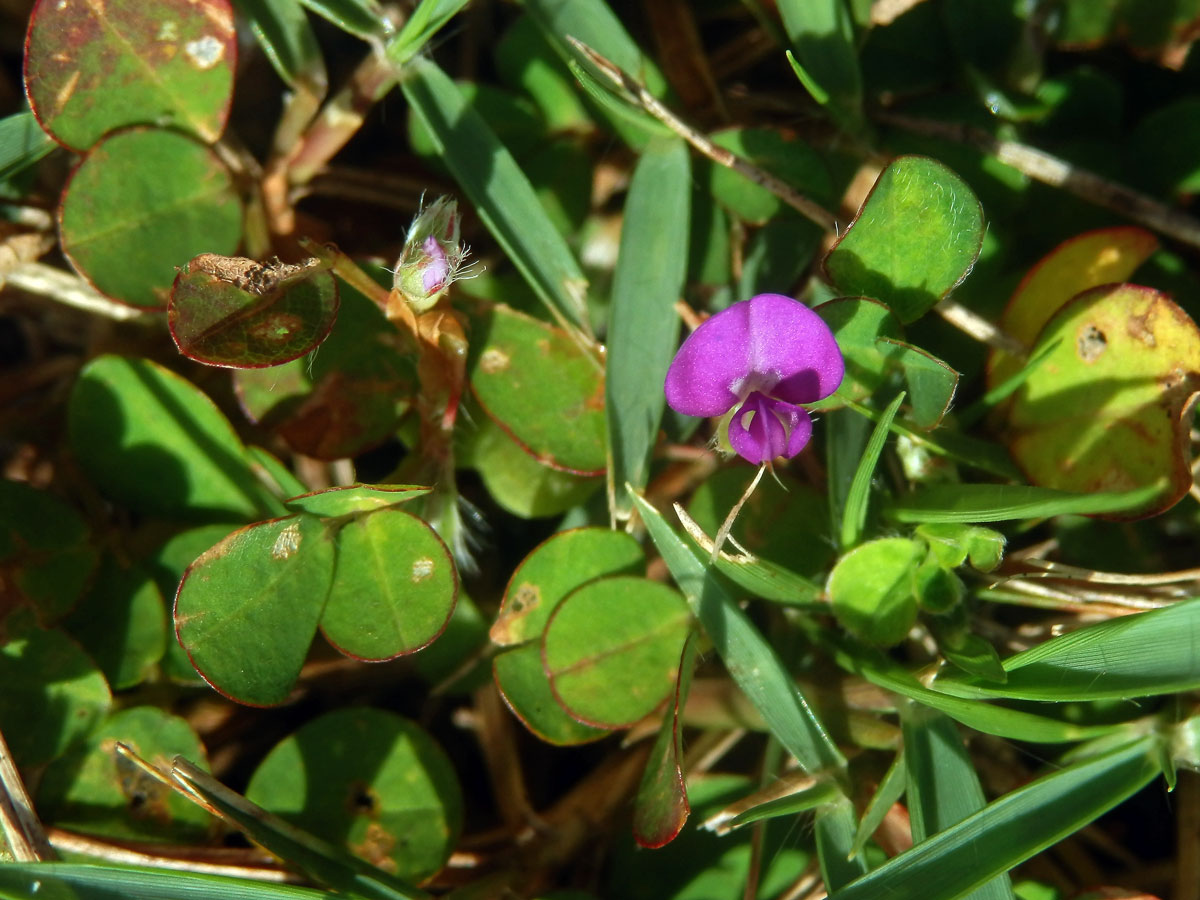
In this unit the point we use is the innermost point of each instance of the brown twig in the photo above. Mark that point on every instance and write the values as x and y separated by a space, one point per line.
638 94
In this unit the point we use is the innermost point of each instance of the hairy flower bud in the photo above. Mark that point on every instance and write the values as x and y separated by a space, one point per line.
433 255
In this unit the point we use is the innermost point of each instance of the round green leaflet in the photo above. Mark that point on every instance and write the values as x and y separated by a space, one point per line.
141 203
248 608
91 68
46 556
371 780
612 649
556 567
522 683
97 791
542 389
394 587
872 591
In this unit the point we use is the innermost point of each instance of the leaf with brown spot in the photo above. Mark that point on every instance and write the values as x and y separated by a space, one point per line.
234 312
1105 411
1104 256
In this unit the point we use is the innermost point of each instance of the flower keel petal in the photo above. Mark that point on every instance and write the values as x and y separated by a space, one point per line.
763 428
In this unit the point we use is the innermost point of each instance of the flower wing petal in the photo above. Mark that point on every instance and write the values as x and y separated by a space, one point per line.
712 361
793 345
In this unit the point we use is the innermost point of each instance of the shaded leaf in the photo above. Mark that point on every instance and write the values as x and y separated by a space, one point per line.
97 791
153 441
371 781
53 695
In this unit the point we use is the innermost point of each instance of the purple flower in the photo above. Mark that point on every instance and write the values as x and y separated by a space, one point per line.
758 359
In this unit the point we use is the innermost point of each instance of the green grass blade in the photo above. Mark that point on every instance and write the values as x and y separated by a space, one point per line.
998 720
854 516
594 23
822 35
835 827
22 143
318 859
643 328
1010 830
282 29
361 18
943 788
890 790
1140 655
28 881
1003 502
426 20
499 191
751 661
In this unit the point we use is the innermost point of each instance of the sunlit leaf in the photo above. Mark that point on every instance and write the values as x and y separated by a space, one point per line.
1106 410
914 240
612 649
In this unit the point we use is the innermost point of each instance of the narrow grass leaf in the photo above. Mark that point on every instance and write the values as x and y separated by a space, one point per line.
22 143
120 882
751 661
822 35
319 860
643 327
854 515
943 788
1010 830
1140 655
1004 502
499 190
361 18
282 29
998 720
426 20
889 792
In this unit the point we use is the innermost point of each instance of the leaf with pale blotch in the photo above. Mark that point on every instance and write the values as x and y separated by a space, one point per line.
542 389
1105 410
1104 256
248 608
556 567
91 68
394 587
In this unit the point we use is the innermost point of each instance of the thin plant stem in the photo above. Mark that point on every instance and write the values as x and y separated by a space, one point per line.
723 531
